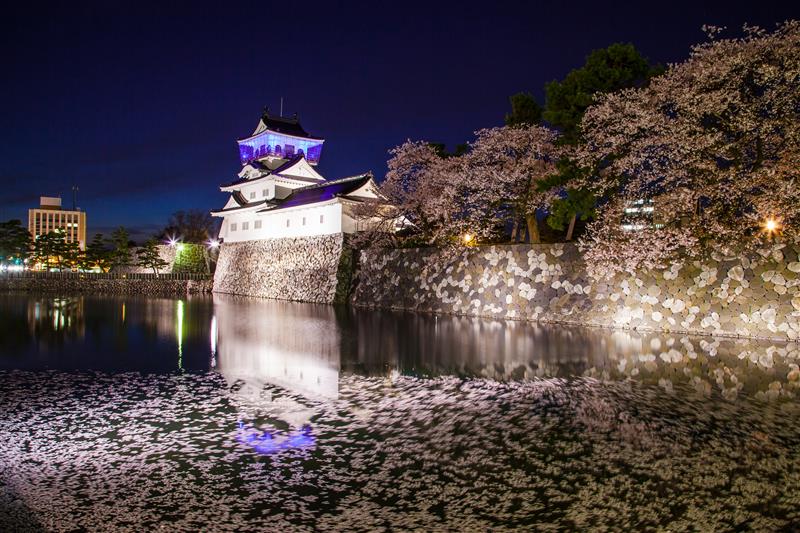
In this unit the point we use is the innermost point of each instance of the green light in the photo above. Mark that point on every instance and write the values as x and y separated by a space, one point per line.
179 332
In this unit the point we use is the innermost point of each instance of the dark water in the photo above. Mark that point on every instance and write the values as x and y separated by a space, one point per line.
232 414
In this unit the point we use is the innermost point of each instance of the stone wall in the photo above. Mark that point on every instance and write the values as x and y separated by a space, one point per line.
303 269
165 251
744 296
149 287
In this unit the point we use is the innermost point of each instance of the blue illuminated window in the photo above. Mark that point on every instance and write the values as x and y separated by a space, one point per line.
270 143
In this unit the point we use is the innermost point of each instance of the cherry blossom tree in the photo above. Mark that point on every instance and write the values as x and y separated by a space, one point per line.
714 143
503 171
476 193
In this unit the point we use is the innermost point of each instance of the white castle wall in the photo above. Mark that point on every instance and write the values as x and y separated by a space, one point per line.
302 221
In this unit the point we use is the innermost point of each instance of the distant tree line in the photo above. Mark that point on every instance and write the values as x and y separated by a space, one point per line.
52 251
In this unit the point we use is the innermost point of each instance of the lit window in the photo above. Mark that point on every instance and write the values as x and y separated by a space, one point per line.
233 226
257 224
245 226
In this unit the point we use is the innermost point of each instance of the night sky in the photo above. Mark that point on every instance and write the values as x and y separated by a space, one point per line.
140 104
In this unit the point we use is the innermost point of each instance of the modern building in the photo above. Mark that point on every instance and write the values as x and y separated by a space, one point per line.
50 216
279 193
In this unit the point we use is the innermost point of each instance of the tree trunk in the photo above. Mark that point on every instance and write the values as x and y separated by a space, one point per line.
533 228
514 230
571 227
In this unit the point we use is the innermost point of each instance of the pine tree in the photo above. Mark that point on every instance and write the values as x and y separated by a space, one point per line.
97 254
15 242
121 254
149 256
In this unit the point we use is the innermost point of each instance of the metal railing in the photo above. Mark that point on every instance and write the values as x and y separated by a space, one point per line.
178 276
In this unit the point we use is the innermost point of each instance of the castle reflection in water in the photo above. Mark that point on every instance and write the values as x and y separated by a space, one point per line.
307 349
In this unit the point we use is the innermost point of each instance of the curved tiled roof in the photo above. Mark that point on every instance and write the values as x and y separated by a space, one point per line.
285 125
277 173
321 192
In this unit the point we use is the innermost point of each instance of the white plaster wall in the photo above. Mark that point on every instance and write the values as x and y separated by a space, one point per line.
302 222
258 189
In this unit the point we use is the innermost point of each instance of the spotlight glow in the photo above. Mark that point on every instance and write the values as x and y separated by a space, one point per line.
771 226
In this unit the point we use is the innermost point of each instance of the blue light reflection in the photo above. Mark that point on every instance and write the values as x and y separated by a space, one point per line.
271 442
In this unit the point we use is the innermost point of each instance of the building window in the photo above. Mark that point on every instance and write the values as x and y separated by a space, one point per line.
233 226
257 224
264 193
253 195
287 222
321 219
245 226
304 221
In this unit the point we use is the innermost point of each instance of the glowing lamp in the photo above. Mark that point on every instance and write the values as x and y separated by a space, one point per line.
771 226
213 244
172 241
180 247
468 238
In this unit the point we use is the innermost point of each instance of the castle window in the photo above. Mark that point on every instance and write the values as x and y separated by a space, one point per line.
321 219
253 195
264 193
257 224
304 221
233 226
287 222
245 226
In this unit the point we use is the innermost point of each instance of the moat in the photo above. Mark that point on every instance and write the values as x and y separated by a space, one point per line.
226 413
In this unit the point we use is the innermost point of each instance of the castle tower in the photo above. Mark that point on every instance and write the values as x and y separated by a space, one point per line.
277 140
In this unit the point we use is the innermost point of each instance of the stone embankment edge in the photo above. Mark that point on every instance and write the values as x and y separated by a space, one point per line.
144 287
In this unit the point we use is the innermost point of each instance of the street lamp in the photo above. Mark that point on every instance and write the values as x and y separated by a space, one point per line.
468 238
771 226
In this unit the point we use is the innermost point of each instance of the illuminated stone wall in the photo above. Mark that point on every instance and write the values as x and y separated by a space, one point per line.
166 252
301 269
749 297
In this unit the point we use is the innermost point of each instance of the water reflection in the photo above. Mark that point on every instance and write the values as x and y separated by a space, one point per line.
241 411
52 320
111 333
297 347
307 348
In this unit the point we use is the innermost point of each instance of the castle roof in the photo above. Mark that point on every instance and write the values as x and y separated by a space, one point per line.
320 192
282 171
312 194
285 125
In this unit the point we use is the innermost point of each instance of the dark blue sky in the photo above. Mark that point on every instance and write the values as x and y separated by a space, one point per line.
140 104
